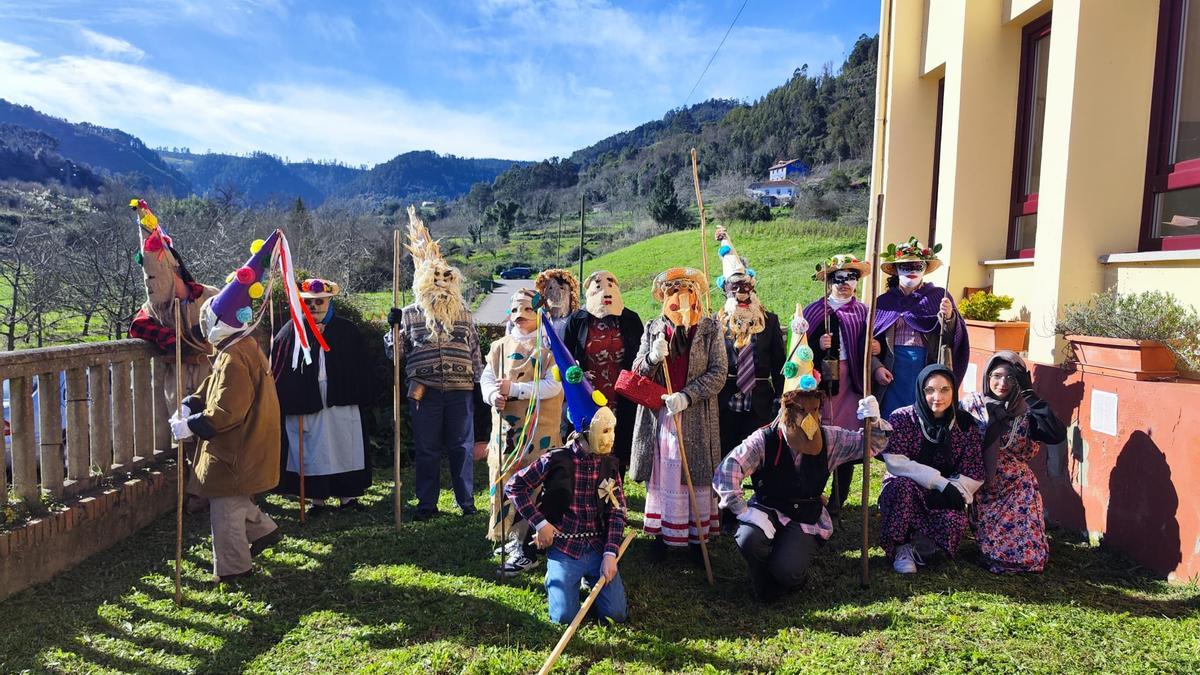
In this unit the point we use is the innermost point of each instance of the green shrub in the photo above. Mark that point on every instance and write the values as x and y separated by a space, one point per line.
742 209
1150 315
983 306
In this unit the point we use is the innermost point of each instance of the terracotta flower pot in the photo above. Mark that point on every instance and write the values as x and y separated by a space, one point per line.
996 336
1128 359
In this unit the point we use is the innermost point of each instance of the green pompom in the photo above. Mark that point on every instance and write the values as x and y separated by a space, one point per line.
804 353
574 374
137 258
790 369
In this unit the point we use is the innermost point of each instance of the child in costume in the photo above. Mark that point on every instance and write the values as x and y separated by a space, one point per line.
235 413
934 468
580 512
526 405
603 338
325 402
559 290
691 347
753 349
913 320
440 349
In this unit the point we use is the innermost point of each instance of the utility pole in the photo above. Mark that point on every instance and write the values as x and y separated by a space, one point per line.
582 203
558 254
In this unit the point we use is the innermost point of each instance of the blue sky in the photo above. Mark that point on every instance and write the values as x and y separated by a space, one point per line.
363 81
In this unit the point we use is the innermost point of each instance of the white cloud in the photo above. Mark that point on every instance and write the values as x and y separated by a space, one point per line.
339 30
111 46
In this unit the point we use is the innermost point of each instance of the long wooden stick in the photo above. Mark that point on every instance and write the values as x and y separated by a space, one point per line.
179 454
300 459
687 473
583 610
398 499
703 226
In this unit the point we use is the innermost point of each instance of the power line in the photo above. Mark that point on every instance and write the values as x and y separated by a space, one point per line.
714 55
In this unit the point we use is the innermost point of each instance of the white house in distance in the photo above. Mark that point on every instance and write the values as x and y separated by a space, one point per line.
780 186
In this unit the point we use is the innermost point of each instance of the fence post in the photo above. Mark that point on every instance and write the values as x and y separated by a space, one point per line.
100 417
122 395
162 428
24 440
50 426
77 429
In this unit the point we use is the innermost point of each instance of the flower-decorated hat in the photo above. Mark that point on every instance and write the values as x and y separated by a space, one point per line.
842 261
910 251
731 263
319 288
582 399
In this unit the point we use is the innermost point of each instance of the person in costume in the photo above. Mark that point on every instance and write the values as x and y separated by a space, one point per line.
526 404
691 347
934 464
1014 422
603 338
913 321
235 414
167 278
326 404
579 512
559 290
442 364
753 350
789 461
836 329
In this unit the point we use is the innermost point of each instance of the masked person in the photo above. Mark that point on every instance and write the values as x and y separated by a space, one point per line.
934 468
1014 421
167 278
836 329
235 414
754 351
559 291
440 350
603 338
789 462
579 513
691 347
526 404
914 321
324 404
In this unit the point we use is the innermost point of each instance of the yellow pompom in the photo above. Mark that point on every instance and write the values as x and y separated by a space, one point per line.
255 290
557 375
231 277
256 246
599 398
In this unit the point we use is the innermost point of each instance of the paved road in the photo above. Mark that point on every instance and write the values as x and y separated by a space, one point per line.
494 308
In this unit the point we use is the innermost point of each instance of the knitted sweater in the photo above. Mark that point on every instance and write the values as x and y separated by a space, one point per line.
447 363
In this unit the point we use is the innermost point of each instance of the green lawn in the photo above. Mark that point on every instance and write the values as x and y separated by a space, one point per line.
348 593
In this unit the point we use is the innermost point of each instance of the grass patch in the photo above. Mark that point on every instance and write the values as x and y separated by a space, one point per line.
348 593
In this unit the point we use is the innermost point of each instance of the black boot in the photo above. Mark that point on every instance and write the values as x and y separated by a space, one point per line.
658 550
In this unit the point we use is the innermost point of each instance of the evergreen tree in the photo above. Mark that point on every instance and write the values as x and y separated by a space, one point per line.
664 205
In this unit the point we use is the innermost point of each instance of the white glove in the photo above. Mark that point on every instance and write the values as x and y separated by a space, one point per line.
179 427
752 516
187 412
868 407
676 403
799 325
658 350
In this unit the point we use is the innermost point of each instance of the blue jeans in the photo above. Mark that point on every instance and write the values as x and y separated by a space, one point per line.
909 363
442 422
562 587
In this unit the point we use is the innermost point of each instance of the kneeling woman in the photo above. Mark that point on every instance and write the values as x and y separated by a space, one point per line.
935 465
1014 423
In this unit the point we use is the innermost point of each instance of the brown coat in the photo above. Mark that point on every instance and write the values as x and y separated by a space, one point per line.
235 414
707 370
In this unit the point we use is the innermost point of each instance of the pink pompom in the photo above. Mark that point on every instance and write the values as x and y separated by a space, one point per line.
245 275
153 244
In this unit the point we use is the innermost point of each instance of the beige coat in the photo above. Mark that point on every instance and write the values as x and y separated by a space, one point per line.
707 371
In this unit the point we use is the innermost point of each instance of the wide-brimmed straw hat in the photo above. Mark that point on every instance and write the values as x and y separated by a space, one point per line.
910 251
679 274
319 288
843 261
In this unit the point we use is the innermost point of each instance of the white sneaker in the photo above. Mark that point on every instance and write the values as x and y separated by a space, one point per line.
904 562
516 564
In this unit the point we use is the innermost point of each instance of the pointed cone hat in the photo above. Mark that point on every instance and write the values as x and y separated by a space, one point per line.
232 304
798 371
582 399
731 263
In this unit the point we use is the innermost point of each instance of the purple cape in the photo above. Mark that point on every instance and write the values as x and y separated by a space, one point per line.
919 310
853 319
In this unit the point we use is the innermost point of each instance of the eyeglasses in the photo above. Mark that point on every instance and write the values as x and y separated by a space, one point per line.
911 267
944 391
740 286
1000 377
315 302
672 287
844 277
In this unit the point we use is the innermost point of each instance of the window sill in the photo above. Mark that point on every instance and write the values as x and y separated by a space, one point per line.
1007 262
1150 257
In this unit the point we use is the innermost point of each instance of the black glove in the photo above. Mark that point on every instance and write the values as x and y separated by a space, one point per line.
394 315
948 499
1024 383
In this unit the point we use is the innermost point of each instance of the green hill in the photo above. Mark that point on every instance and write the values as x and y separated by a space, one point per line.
782 253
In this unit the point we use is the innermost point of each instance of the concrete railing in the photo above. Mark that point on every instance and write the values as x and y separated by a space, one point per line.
99 409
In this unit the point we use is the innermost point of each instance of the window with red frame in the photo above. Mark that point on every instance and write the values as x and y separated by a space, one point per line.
1031 118
1171 213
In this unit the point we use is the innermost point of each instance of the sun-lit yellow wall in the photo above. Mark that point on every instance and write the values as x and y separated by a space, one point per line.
1181 278
1020 282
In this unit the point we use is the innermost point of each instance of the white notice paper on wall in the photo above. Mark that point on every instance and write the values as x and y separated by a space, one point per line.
968 384
1104 412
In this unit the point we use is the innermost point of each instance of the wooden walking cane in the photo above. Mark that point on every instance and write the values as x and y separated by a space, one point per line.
398 499
703 226
179 472
300 460
945 353
687 474
583 610
869 293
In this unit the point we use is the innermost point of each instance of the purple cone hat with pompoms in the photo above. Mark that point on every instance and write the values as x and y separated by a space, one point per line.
232 306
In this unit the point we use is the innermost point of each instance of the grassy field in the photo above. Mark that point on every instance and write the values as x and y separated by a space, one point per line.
348 593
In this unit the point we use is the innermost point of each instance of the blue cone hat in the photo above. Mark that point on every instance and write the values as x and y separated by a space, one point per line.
582 399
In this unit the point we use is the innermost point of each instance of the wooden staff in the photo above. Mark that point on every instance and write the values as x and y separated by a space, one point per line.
869 293
583 610
179 473
703 226
943 357
300 459
499 486
398 500
687 474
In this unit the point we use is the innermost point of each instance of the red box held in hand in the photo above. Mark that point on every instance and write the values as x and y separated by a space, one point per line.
641 389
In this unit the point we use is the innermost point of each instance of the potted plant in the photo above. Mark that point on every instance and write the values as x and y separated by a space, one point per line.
985 330
1137 336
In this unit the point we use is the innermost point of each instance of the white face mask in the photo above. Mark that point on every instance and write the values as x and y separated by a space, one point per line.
603 296
909 282
602 431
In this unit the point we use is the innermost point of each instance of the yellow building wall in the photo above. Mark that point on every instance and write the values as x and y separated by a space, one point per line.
1182 279
1019 282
